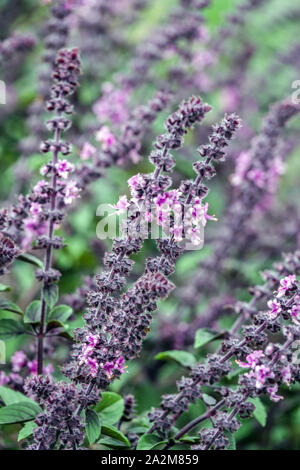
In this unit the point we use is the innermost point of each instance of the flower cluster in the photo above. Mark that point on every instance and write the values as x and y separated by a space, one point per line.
58 419
261 158
21 367
270 363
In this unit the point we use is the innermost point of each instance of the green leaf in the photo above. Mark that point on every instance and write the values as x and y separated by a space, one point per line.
4 288
54 324
19 412
190 439
231 438
260 413
27 430
60 313
51 295
112 444
113 432
10 329
10 307
110 408
93 426
149 441
208 400
33 312
182 357
204 336
11 396
27 258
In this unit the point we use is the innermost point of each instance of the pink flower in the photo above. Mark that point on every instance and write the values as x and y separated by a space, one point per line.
106 137
33 368
161 199
252 359
195 235
32 229
87 349
205 216
45 170
122 204
93 365
261 373
286 284
136 183
87 151
108 367
242 165
18 361
273 391
71 192
295 310
40 188
287 375
35 209
112 106
230 98
275 308
257 176
3 378
118 365
177 232
64 168
148 216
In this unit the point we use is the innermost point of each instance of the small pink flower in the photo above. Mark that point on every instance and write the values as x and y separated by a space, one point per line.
112 105
106 137
3 378
148 216
286 284
119 365
45 170
135 183
87 151
195 235
33 366
18 361
40 188
205 216
71 192
161 199
108 367
48 370
122 204
287 375
177 232
93 365
35 209
64 168
275 308
273 393
261 373
257 176
252 359
295 310
242 165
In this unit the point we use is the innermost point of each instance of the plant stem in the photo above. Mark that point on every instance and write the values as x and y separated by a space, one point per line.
48 258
